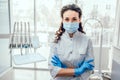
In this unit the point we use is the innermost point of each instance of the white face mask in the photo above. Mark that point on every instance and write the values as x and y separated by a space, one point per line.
71 27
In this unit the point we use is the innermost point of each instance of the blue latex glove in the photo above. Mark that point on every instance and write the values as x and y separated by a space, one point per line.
56 62
88 67
85 66
80 64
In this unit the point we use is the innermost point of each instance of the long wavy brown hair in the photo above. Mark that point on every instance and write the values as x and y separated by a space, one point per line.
61 30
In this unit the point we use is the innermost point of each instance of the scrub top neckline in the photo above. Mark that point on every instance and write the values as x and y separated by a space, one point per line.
74 35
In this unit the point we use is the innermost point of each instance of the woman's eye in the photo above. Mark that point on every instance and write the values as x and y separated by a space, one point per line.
74 19
66 19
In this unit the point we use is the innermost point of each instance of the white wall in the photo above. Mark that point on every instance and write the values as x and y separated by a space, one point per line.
116 64
4 55
4 41
116 49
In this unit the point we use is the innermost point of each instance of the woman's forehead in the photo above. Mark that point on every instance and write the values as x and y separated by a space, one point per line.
70 13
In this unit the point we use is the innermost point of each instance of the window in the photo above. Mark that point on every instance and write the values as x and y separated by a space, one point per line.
117 29
4 17
119 36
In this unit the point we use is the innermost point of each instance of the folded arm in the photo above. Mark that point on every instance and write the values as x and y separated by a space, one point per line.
66 71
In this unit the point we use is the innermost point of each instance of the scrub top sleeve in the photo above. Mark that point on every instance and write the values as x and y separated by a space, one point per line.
53 69
89 53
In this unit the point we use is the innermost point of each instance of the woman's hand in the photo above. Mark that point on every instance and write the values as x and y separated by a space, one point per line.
56 62
85 66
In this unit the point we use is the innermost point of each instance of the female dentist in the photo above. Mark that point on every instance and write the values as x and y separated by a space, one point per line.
71 53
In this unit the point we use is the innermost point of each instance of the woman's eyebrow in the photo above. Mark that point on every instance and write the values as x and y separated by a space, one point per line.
74 17
66 17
